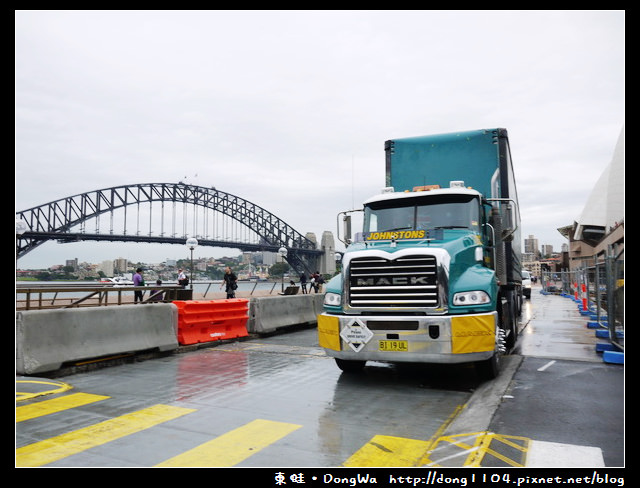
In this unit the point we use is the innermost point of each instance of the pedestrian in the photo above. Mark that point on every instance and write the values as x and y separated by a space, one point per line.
230 281
303 283
183 281
319 282
314 282
138 280
157 295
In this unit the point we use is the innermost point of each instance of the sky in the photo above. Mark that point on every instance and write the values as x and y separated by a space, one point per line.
290 109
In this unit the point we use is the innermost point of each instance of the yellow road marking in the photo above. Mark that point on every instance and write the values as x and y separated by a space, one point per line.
60 387
50 450
234 446
483 444
54 405
484 447
387 451
398 451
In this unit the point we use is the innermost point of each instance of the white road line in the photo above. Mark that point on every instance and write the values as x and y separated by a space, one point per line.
550 363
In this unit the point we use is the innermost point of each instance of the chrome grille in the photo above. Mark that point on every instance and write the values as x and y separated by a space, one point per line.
409 281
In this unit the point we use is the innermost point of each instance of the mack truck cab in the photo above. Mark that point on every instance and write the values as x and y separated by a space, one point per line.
430 279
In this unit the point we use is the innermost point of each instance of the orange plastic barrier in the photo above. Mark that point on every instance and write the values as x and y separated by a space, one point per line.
211 320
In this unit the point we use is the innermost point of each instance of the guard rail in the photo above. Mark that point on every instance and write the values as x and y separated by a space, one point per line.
40 297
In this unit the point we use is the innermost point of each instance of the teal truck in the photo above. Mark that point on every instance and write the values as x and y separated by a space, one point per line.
435 274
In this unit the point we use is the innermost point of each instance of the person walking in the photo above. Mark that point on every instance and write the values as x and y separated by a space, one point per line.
319 282
230 281
314 282
138 280
303 283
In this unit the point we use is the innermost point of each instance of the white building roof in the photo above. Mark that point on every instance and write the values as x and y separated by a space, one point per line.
605 205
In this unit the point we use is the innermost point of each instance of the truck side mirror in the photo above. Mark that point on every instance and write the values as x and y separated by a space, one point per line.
507 222
506 214
346 226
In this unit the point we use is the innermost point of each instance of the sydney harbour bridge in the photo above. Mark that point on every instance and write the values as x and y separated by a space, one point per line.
167 213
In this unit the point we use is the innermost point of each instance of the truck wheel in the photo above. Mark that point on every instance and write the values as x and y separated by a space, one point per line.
512 326
520 303
350 366
489 368
508 322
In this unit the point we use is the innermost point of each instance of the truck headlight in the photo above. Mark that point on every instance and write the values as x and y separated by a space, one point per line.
332 299
471 298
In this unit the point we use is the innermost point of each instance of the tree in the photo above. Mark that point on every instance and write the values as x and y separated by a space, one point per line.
43 276
279 269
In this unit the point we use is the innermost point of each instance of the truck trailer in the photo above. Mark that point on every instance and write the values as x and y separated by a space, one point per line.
435 274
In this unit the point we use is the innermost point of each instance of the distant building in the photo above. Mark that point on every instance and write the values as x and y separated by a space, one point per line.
270 258
531 246
528 258
600 227
107 268
120 265
547 250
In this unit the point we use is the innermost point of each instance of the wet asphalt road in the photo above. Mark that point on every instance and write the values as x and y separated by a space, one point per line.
279 401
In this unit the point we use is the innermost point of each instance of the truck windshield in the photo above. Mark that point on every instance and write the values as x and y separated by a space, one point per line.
423 213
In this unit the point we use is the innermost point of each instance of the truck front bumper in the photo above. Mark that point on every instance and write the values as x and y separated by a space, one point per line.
417 339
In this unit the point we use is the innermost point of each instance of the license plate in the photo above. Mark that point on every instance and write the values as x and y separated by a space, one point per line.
401 346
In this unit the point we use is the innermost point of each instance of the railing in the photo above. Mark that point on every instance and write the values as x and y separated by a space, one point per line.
39 297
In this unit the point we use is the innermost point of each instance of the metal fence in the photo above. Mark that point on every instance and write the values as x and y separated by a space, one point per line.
49 295
598 289
39 297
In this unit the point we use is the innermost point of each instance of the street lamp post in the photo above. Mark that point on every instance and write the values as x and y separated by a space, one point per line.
192 243
283 254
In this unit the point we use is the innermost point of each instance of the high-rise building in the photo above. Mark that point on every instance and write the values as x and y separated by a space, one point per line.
531 246
120 265
107 268
547 249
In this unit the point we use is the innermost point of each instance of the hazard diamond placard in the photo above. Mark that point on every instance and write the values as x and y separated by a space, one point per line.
356 334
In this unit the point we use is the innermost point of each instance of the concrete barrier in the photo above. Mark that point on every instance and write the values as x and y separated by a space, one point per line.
46 339
267 314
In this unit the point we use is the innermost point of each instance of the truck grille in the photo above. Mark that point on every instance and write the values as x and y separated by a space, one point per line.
409 281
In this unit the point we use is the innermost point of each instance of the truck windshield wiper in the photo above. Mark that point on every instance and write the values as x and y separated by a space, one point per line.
452 227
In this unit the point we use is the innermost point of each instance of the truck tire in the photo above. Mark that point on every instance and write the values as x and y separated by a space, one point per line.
521 297
489 369
508 321
350 366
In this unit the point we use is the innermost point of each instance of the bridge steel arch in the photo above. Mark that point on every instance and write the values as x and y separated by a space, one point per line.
54 220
